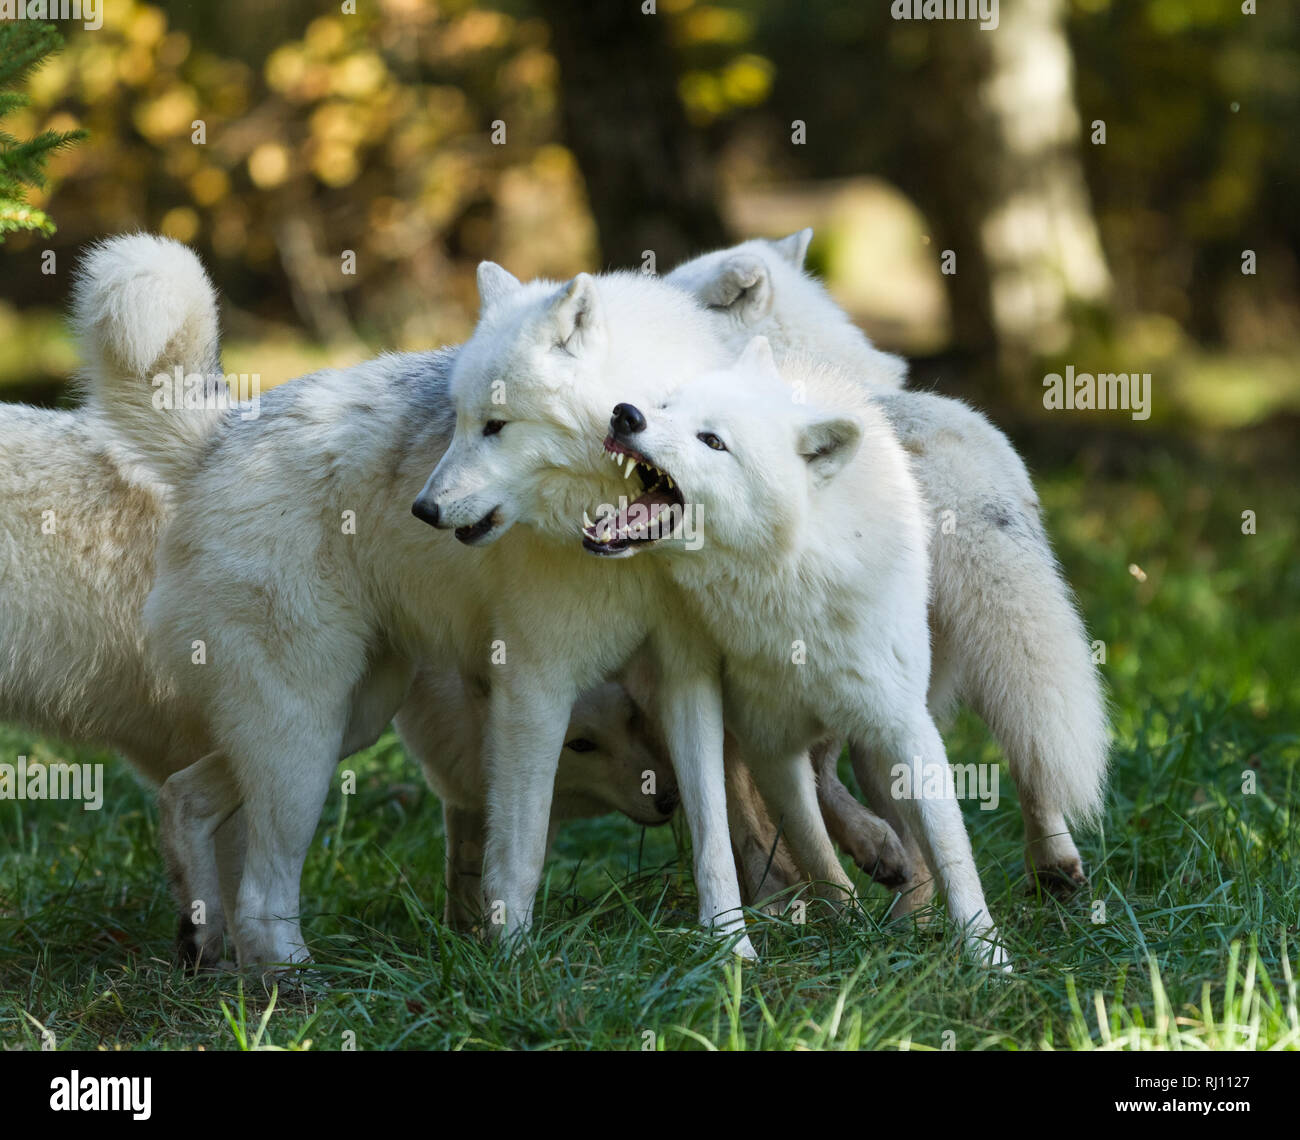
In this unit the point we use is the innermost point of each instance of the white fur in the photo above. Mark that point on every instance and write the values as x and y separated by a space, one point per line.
626 770
541 361
298 640
1007 638
759 288
142 306
73 658
812 583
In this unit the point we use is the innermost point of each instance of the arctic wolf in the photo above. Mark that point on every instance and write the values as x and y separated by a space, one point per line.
812 580
79 525
1006 636
295 594
526 390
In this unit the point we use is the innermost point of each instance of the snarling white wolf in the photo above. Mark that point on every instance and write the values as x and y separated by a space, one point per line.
295 594
864 608
80 517
812 578
1007 638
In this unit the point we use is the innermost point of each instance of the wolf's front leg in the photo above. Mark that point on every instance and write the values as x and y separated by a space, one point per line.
910 748
690 708
528 715
763 861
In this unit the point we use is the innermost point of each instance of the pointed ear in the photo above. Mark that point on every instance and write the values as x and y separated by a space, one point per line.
494 283
795 247
757 357
827 443
741 287
575 314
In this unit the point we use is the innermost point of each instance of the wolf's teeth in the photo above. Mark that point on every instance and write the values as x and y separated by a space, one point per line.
670 481
586 521
630 468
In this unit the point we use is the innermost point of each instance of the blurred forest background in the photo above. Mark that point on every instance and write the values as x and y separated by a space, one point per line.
678 131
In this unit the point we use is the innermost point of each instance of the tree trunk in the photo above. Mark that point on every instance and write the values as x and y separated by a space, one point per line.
1002 183
650 182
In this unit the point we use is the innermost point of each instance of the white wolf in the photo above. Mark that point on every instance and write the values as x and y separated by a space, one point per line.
294 593
812 580
1007 639
80 518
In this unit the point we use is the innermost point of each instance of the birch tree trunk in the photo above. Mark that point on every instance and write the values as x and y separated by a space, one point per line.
998 174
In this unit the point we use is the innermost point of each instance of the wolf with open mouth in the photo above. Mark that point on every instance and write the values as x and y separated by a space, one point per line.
1007 637
813 581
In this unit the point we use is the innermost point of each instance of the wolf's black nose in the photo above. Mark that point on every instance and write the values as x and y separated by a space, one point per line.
627 420
425 511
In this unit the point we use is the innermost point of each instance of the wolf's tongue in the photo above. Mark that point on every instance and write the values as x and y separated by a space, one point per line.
640 512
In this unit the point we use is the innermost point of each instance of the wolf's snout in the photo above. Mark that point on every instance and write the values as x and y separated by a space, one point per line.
425 510
627 420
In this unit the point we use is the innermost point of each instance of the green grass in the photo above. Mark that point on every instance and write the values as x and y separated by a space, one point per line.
1186 939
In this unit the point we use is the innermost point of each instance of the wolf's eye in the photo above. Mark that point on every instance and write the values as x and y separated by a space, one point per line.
493 426
712 440
580 744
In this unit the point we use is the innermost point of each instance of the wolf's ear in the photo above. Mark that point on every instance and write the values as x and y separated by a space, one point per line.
575 314
757 357
826 444
742 287
494 283
795 247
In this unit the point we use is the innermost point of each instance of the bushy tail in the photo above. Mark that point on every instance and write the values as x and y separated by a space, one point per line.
1032 678
143 307
1040 692
1008 636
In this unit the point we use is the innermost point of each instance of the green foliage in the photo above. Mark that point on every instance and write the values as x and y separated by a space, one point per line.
25 44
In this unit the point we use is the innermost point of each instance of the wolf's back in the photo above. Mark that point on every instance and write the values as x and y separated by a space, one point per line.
143 307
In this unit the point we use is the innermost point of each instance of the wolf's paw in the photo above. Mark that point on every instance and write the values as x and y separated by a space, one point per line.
1060 879
197 949
988 951
879 852
914 898
1052 861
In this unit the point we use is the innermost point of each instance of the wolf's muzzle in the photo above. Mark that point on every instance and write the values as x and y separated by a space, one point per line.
425 511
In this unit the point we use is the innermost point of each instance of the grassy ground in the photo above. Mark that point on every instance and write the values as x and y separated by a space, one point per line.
1187 937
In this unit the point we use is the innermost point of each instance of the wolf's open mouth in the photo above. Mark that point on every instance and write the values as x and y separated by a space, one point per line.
471 534
652 515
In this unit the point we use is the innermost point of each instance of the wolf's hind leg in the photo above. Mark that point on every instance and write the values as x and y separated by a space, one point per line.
790 791
859 832
192 805
916 890
763 861
464 874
